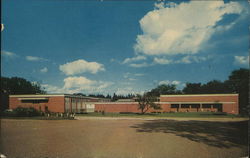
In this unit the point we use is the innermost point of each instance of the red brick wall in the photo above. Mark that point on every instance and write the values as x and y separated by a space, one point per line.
230 108
200 99
126 107
55 104
226 107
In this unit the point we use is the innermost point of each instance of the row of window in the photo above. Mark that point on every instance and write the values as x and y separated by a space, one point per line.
34 101
196 105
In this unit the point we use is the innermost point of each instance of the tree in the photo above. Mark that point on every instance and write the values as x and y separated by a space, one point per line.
17 85
215 86
192 88
238 82
164 89
147 101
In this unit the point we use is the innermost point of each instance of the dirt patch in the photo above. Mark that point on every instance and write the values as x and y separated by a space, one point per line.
122 138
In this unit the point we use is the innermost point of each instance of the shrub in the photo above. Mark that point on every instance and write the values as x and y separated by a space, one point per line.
26 112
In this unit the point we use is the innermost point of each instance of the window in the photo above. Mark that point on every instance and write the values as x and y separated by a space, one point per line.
34 101
206 105
195 105
184 105
174 105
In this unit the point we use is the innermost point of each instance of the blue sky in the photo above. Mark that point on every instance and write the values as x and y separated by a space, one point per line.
122 46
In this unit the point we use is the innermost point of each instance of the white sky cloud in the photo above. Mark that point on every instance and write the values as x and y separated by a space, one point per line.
241 60
182 29
175 82
77 85
184 60
8 54
81 66
127 90
139 65
162 61
44 70
78 82
134 59
33 58
179 84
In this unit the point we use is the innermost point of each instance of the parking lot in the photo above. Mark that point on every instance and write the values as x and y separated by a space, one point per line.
123 138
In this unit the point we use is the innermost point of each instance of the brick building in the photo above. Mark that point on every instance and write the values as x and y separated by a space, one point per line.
180 103
170 103
55 102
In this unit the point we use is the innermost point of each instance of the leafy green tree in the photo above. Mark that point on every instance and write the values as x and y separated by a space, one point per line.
115 97
215 86
17 85
192 88
238 82
147 101
164 89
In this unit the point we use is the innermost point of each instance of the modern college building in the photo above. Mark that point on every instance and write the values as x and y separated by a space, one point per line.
170 103
61 103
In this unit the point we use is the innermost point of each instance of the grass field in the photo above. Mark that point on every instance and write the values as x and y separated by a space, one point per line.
178 114
123 139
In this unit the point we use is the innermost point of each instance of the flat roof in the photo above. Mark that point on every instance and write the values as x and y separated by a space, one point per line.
54 95
194 95
36 95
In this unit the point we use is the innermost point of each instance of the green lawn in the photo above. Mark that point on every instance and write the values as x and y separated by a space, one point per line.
178 114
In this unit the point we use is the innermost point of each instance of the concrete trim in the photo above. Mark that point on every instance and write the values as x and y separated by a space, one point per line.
196 102
196 95
116 103
38 95
167 102
33 98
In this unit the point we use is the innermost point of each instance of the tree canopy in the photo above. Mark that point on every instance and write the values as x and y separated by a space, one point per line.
147 101
164 89
237 82
17 85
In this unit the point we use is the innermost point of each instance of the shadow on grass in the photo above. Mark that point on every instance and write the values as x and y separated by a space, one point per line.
218 134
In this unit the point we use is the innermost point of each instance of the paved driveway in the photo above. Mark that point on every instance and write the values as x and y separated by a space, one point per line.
123 138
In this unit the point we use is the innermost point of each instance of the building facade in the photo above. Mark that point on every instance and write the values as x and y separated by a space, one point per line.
180 103
169 103
62 103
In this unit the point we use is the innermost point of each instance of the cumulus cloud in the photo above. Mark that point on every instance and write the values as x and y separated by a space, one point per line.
44 70
241 60
139 65
81 66
53 89
184 60
162 61
127 90
78 82
77 85
8 54
132 76
183 28
134 59
179 84
34 58
175 82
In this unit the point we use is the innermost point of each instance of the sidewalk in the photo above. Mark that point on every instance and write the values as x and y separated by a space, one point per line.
161 118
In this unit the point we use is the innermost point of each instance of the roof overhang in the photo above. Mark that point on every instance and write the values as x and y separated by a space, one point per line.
33 98
198 95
